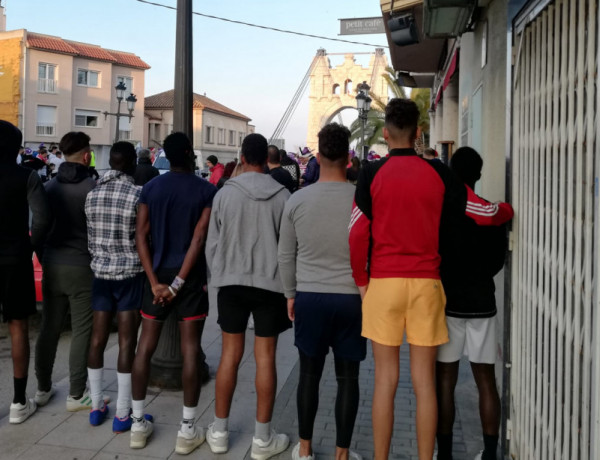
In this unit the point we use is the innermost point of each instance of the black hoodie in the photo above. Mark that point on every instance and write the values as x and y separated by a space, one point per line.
67 242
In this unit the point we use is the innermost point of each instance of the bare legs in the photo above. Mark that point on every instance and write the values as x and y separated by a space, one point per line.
266 374
387 373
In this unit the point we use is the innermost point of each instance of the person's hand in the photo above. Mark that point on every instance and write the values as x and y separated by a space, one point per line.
291 310
162 294
363 291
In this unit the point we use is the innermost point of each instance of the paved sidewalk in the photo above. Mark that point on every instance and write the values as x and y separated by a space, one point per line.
53 433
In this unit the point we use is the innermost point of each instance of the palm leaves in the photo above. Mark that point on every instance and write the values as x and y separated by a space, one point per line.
375 119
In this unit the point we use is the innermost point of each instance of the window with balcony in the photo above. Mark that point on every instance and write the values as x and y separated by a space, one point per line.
46 120
210 135
221 138
47 78
125 129
128 82
87 118
89 78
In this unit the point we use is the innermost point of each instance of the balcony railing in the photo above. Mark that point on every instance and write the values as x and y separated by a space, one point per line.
46 85
45 129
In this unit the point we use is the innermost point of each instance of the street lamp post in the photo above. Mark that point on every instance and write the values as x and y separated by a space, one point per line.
131 100
363 104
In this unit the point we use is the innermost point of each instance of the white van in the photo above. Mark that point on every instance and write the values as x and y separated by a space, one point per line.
162 163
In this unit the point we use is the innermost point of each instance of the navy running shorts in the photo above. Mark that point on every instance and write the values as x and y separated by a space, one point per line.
118 295
326 320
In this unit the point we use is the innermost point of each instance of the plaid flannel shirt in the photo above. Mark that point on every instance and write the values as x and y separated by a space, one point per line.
111 210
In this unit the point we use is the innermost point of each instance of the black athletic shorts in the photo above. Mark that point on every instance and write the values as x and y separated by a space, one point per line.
191 302
17 290
235 303
329 320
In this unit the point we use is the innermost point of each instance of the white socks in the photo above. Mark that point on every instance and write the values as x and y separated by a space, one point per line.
189 418
221 424
95 378
124 395
262 431
138 409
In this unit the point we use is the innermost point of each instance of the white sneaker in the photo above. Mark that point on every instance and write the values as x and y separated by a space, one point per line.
140 432
21 412
296 454
41 398
83 403
217 440
187 442
479 456
262 450
354 455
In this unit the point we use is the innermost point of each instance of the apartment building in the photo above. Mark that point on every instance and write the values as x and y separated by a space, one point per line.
49 86
218 130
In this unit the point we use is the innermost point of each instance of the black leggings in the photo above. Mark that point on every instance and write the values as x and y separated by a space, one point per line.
346 403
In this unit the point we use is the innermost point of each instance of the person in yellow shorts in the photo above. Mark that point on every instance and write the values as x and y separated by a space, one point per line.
396 234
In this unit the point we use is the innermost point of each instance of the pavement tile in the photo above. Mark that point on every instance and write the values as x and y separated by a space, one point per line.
77 433
160 445
239 446
16 439
166 409
40 452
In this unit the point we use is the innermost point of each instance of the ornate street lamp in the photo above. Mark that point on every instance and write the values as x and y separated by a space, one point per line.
131 100
363 104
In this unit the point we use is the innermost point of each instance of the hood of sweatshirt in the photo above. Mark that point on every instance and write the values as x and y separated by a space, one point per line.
72 173
257 186
112 175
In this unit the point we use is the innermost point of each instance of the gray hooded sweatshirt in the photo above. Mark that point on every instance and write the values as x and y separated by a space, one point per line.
241 246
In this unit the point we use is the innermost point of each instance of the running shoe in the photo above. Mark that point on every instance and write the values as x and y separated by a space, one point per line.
41 398
296 454
188 441
262 450
217 440
83 403
21 412
120 425
140 432
97 416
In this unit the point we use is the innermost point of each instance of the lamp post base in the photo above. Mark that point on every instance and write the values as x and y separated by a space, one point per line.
167 362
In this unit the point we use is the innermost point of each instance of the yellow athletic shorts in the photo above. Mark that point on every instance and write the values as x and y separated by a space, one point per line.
393 305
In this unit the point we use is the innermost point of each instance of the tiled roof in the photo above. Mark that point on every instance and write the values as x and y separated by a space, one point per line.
95 52
166 100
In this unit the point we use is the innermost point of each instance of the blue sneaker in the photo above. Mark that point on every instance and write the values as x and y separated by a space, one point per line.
97 416
120 425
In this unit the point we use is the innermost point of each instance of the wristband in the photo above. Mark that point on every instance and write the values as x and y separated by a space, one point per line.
173 293
177 283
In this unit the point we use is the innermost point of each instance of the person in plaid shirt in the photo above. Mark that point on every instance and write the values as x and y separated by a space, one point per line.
111 210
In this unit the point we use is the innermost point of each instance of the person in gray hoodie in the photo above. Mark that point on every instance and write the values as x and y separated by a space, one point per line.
67 280
241 254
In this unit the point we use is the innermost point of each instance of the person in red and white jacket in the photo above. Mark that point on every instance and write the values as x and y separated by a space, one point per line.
468 270
402 218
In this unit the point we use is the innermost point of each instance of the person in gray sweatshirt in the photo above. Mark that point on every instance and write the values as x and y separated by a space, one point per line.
323 300
67 281
241 254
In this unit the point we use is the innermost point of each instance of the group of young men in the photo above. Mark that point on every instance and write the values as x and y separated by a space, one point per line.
343 263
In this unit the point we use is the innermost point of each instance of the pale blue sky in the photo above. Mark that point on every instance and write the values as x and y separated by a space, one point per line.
253 71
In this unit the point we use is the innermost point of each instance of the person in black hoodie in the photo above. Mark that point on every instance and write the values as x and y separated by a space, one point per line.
20 190
67 281
467 271
144 171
